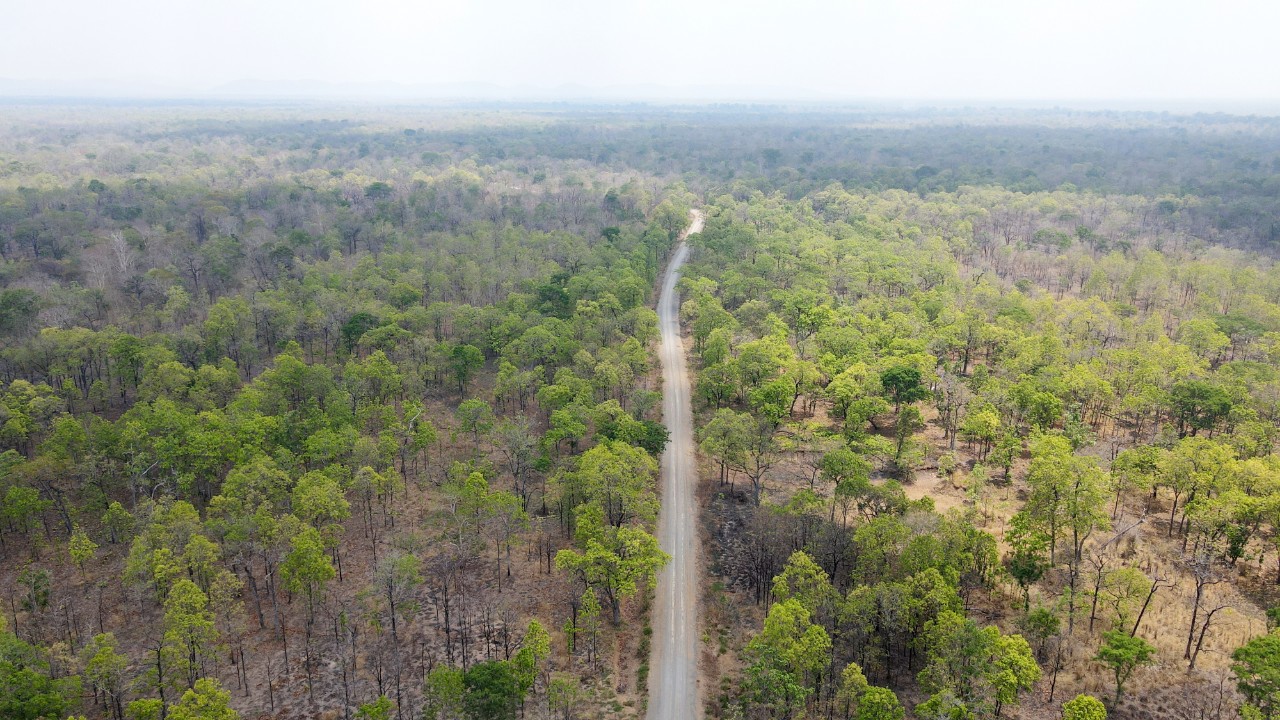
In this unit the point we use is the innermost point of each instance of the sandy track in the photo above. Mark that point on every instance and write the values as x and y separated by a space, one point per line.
673 675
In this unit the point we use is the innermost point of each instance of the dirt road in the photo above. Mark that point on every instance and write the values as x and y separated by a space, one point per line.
673 666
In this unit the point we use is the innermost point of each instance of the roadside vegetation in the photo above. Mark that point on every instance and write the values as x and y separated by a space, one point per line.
983 450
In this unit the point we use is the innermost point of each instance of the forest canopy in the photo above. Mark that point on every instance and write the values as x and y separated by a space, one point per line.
316 409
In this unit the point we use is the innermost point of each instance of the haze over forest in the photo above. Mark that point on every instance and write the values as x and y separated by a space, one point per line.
1143 52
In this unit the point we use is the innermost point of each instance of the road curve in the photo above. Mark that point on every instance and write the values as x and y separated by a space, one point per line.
673 666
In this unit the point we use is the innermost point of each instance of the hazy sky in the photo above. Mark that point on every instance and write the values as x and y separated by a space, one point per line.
932 49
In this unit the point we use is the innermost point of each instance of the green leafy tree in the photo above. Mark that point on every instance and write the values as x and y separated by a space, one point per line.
81 548
306 568
902 383
1038 626
1028 557
724 437
617 477
786 657
984 670
318 500
586 627
144 709
803 579
1013 672
380 709
564 694
1197 405
981 427
534 650
879 703
22 508
853 683
767 685
189 632
119 522
206 700
1084 707
909 422
1124 655
465 360
105 668
36 586
474 416
1068 499
444 693
1007 448
493 691
468 505
615 561
27 692
1256 665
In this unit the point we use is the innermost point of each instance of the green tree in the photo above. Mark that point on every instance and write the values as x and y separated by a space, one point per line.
909 422
189 631
443 694
534 650
619 478
853 683
306 568
493 691
465 360
1256 665
585 627
564 693
902 383
1198 405
81 548
27 692
1028 557
615 561
36 585
724 437
206 700
1124 655
1084 707
474 416
379 709
850 475
981 427
318 500
144 709
787 656
1013 672
1069 498
984 670
105 668
1038 626
803 579
118 521
879 703
23 507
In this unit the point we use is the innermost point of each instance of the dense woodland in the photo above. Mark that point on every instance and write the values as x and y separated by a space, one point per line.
321 411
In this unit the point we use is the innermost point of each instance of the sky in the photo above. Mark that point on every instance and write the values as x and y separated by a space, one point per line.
1123 51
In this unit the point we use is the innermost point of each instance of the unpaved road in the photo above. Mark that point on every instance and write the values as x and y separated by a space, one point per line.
673 666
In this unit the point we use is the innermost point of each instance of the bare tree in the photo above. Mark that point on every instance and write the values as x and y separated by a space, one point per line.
1159 581
1205 575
